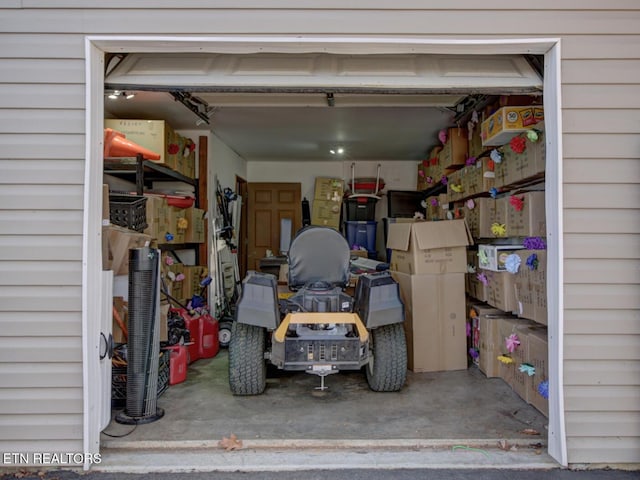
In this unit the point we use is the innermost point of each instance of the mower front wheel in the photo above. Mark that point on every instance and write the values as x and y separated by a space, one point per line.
247 366
224 333
387 368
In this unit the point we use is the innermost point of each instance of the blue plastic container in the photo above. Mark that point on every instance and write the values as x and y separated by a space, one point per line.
362 234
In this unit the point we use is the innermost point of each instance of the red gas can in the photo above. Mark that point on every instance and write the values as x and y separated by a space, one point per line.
177 363
209 343
193 325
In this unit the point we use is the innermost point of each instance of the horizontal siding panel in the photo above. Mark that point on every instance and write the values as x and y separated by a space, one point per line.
602 271
600 46
26 96
41 375
601 296
37 146
41 197
602 372
37 172
607 321
592 170
36 445
42 121
41 324
602 347
601 398
19 401
601 71
32 70
622 195
601 121
51 298
42 247
263 21
601 220
608 450
601 96
41 222
591 245
40 273
54 427
598 424
41 46
340 4
42 349
607 146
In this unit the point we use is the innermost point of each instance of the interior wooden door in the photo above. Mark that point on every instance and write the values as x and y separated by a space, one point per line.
269 203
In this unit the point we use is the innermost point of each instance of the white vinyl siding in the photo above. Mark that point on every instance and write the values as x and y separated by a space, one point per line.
42 101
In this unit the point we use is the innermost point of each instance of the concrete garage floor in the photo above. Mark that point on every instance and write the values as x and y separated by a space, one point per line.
452 406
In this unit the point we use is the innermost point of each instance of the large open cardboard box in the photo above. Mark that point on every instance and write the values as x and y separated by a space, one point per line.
429 247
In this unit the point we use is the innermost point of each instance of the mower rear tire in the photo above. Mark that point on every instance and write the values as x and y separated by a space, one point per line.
387 368
247 366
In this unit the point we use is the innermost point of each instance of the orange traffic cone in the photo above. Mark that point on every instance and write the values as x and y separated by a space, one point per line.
116 145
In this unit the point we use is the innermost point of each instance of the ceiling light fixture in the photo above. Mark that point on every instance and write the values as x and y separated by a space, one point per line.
336 151
116 94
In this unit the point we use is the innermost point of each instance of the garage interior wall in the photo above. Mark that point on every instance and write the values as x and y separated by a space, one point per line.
42 133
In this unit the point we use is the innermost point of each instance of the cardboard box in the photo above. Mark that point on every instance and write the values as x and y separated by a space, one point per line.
530 220
156 217
193 275
164 321
329 189
493 257
507 122
538 353
106 214
155 135
529 163
173 233
489 343
475 142
501 290
116 243
455 151
475 312
489 211
531 287
510 373
122 309
434 321
429 247
195 232
474 287
326 213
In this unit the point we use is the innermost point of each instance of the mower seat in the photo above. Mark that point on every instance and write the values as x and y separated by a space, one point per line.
318 254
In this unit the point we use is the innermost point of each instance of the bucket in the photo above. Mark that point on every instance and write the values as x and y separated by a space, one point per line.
177 363
209 343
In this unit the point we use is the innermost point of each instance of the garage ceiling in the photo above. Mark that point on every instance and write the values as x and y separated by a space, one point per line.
284 107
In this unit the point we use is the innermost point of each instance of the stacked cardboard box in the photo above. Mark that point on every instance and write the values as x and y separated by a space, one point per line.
530 285
429 262
176 152
327 202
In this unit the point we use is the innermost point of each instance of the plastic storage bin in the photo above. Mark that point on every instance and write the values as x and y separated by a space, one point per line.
362 234
361 209
128 211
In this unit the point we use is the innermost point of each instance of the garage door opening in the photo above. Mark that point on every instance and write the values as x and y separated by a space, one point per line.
284 387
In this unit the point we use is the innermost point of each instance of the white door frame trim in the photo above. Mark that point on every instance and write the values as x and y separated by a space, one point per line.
97 46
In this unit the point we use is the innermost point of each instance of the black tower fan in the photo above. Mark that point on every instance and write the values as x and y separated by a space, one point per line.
143 347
